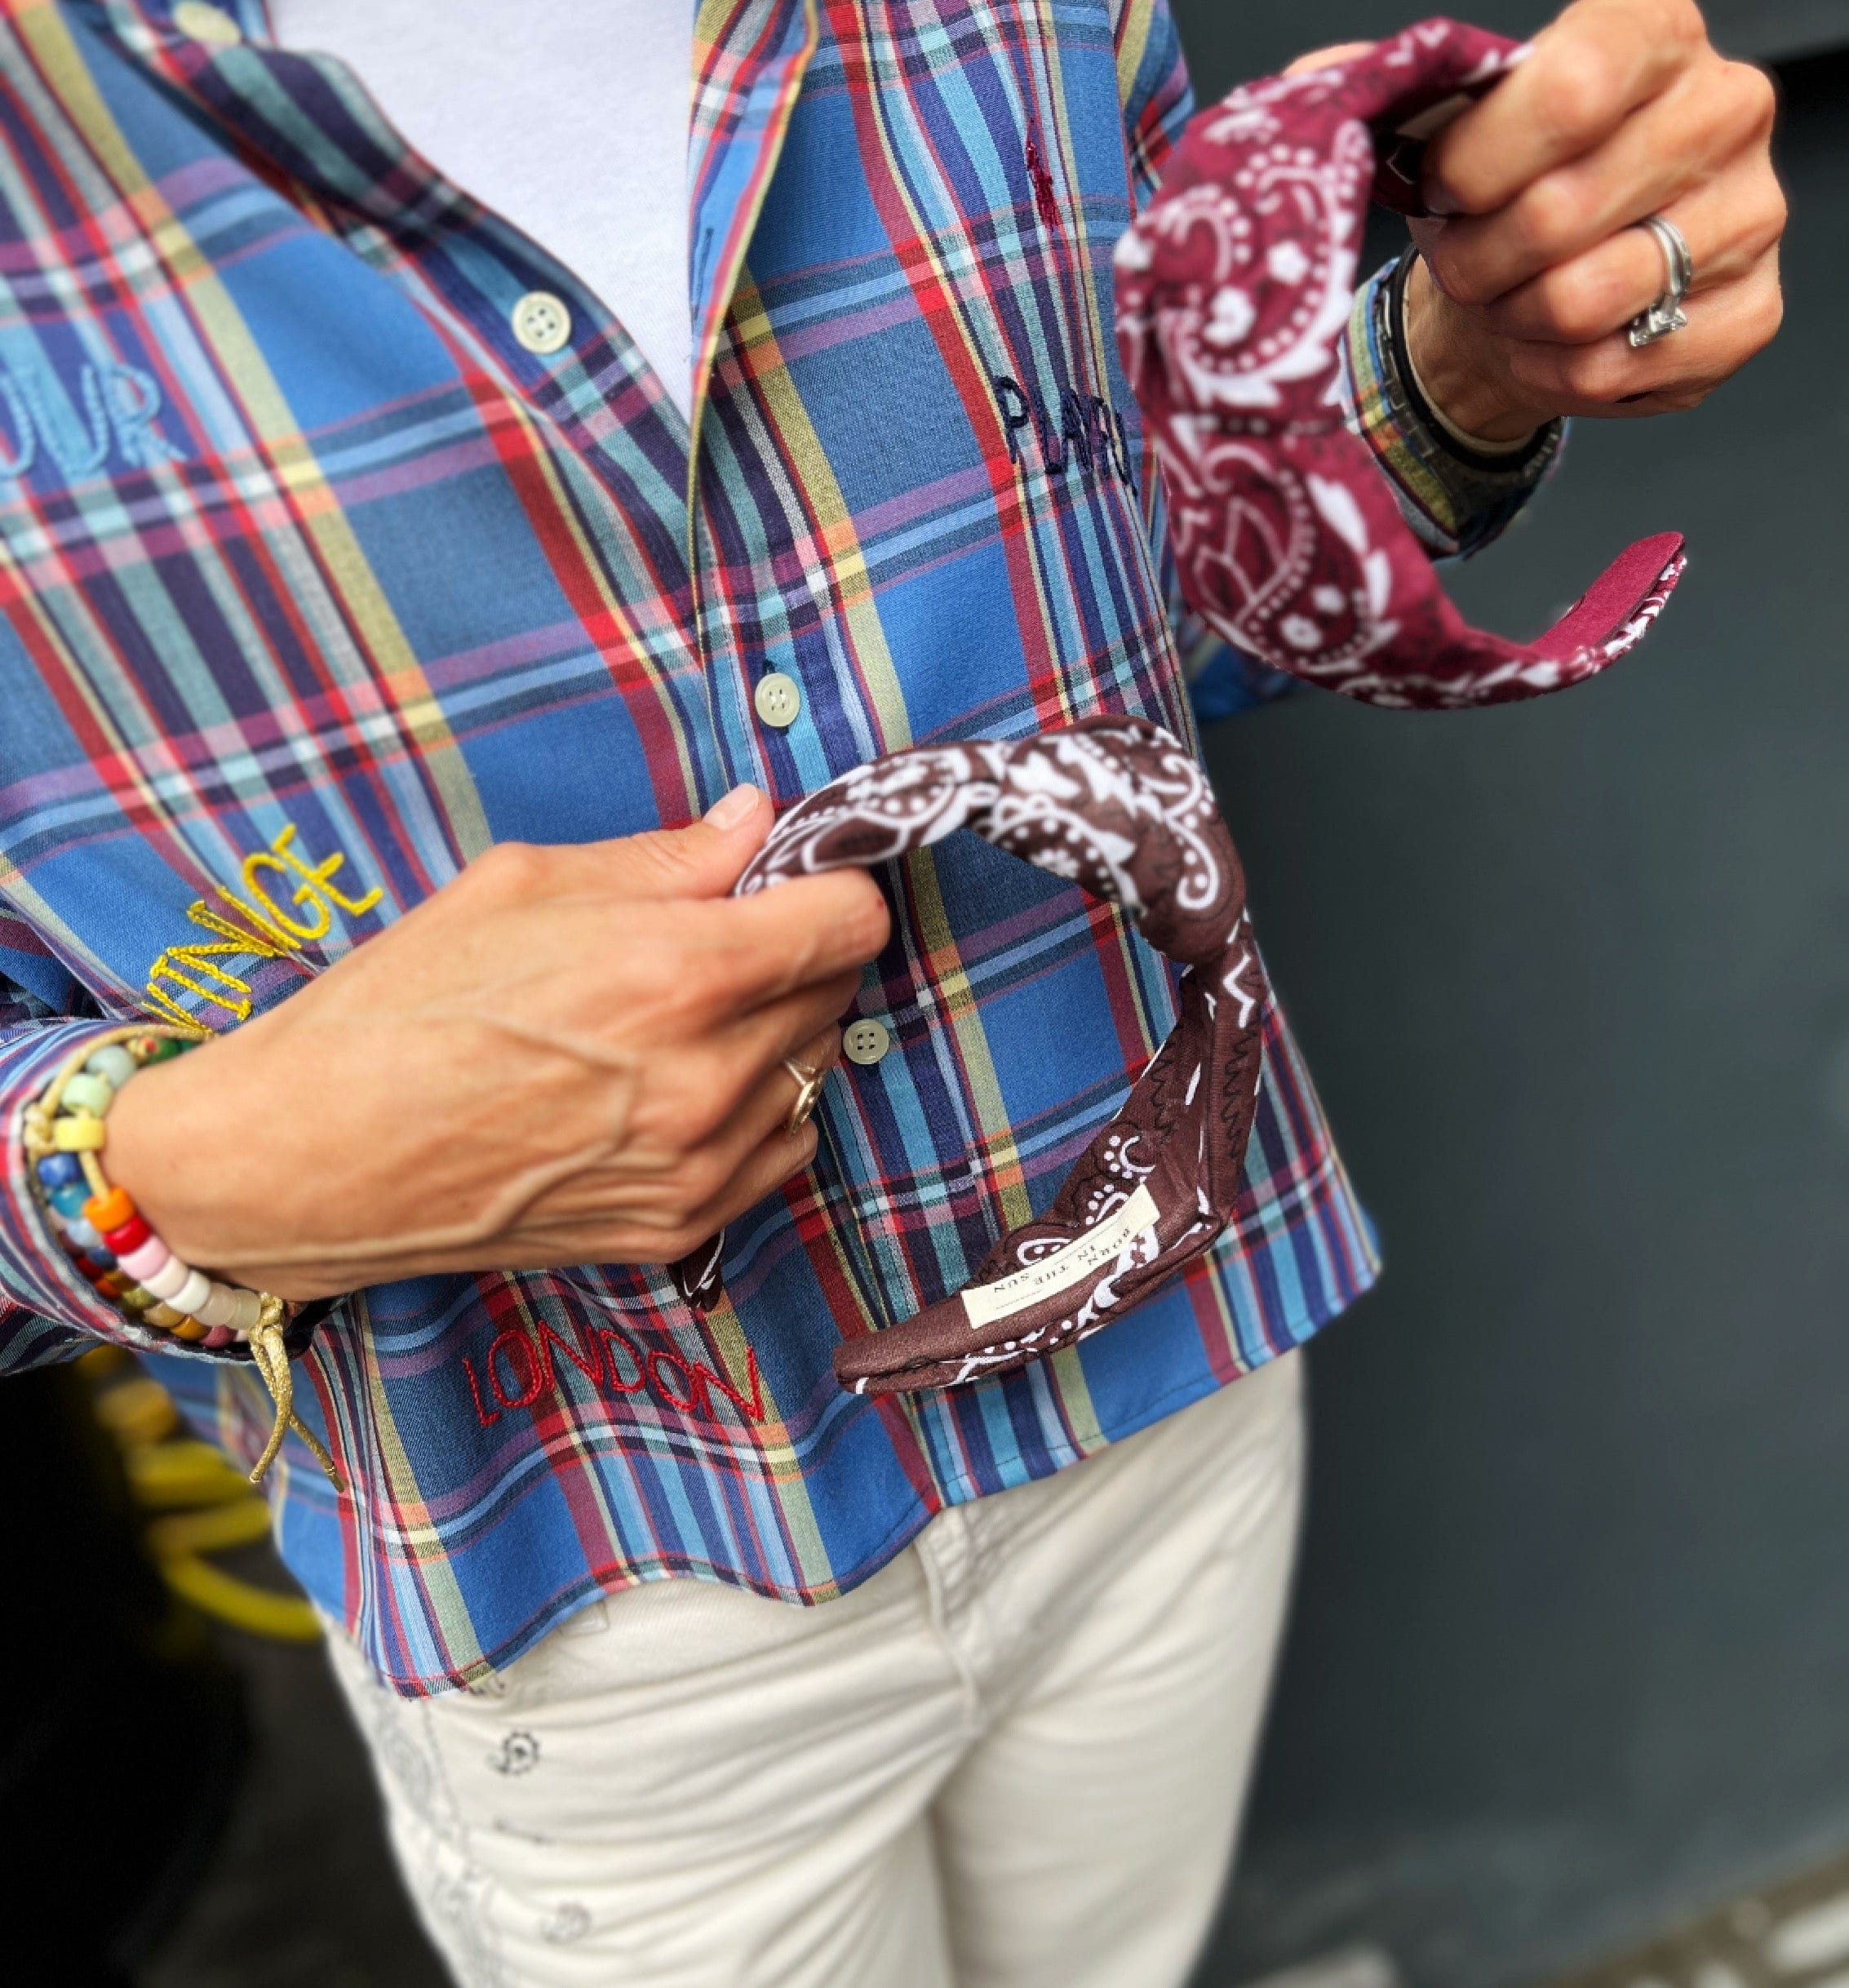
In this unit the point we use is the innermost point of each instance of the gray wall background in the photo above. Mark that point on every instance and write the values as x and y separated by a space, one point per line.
1231 40
1572 1647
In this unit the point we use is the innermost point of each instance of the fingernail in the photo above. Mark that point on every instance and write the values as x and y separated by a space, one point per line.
1439 202
731 809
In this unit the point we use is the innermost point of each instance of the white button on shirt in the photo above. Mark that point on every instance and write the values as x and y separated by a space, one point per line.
542 322
779 699
865 1041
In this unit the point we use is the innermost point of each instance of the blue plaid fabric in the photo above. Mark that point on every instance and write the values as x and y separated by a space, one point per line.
314 583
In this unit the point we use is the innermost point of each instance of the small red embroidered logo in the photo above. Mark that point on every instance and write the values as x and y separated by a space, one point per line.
1046 204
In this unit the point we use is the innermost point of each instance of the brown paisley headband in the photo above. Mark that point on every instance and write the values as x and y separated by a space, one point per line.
1234 291
1125 811
1233 294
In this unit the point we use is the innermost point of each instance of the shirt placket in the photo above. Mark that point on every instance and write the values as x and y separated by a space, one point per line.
523 316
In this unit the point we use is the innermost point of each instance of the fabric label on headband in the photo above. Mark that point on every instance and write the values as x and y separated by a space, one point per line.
1073 1264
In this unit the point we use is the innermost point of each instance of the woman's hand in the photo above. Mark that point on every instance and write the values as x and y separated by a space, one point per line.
1517 311
567 1055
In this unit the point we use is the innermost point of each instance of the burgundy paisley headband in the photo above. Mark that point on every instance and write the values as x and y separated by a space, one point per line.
1123 811
1233 289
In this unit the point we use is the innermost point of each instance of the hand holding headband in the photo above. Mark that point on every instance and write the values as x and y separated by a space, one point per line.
1123 811
1233 289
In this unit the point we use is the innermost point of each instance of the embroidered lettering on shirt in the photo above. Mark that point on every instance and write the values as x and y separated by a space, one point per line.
517 1369
113 408
1082 430
252 926
1046 203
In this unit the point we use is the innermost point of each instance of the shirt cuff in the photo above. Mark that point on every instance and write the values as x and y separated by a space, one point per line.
48 1311
1455 499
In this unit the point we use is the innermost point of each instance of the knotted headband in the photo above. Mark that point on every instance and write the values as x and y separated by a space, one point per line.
1233 289
1123 811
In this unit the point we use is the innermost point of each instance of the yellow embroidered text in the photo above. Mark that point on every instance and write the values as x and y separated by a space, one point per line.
257 927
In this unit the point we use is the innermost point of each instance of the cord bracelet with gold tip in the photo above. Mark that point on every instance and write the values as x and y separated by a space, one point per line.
111 1244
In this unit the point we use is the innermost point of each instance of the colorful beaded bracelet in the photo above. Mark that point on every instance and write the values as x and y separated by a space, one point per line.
110 1243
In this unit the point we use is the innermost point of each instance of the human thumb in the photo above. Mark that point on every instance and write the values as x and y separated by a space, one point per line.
704 859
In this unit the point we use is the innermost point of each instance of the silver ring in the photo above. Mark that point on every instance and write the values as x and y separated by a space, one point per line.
1666 314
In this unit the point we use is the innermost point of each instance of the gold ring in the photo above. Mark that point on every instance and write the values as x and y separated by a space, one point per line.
808 1095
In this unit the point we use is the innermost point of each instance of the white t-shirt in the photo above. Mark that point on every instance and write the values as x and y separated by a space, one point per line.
570 121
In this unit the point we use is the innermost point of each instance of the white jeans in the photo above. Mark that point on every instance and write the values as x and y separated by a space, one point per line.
1016 1756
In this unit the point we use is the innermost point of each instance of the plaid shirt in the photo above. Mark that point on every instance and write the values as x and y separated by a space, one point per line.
314 583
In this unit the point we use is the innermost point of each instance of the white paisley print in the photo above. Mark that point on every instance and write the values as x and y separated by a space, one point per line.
1234 288
1119 807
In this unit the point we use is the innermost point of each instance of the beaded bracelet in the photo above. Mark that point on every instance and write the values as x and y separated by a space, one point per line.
111 1244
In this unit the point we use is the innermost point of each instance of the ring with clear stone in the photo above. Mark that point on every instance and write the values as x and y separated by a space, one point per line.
1666 314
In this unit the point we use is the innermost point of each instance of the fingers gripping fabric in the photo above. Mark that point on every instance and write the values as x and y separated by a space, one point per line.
1123 810
1233 294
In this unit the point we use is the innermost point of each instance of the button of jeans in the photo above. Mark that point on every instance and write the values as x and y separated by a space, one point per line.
865 1041
210 25
778 698
542 322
